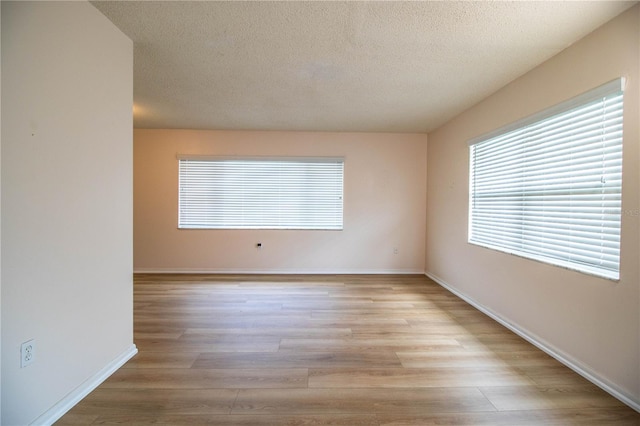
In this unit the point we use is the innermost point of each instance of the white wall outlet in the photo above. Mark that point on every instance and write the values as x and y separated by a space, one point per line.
395 250
27 353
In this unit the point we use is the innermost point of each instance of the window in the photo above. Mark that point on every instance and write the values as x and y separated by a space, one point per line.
260 193
549 187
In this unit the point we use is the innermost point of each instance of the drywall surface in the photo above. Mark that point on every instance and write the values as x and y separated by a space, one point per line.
66 200
384 205
0 221
592 322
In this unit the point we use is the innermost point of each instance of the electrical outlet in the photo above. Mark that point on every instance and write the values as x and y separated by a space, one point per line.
395 250
27 353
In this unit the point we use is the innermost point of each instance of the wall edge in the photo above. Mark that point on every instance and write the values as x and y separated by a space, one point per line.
544 346
68 402
277 271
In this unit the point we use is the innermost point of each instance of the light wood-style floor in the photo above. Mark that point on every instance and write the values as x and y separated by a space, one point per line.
332 350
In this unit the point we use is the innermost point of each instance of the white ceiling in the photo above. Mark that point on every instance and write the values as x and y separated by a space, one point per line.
336 66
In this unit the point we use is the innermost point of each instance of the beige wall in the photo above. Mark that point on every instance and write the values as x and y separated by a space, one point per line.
384 205
591 322
0 222
66 202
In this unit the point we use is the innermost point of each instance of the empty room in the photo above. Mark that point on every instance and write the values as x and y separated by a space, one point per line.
320 213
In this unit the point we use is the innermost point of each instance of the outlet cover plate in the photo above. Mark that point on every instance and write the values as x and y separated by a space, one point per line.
27 353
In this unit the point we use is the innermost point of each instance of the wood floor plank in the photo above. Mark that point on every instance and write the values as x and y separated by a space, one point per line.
291 332
332 350
479 358
554 375
537 397
210 345
355 314
360 401
212 309
190 322
350 304
554 417
394 343
207 379
134 402
357 322
162 360
242 420
297 359
156 335
445 326
415 377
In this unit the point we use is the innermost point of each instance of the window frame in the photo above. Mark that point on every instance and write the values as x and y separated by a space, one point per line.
613 88
257 171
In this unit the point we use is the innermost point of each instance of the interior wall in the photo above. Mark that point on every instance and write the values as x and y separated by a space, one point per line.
384 206
591 322
0 218
66 192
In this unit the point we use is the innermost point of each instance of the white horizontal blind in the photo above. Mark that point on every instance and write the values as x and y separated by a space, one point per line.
261 193
550 189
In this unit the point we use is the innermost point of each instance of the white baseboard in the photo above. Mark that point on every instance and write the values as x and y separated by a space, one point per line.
68 402
277 272
549 349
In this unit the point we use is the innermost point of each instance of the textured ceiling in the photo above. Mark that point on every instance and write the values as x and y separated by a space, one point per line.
336 66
